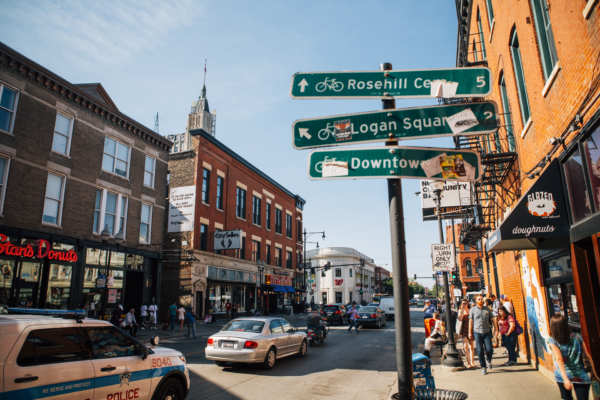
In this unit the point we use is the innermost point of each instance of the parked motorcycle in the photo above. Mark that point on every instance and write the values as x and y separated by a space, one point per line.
315 337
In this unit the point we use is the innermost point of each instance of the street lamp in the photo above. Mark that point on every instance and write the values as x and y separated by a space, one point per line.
304 243
453 359
105 236
260 266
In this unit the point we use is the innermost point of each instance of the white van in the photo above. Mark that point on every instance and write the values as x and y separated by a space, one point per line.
386 303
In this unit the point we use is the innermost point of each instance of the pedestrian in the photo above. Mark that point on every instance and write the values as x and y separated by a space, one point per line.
181 317
172 315
568 353
143 315
234 310
463 332
480 328
494 304
436 333
191 321
115 319
153 313
312 304
507 326
507 304
228 309
353 313
429 309
130 323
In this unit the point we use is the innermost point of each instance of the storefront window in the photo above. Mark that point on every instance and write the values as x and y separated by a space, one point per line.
560 288
578 195
592 159
134 262
7 268
59 286
98 257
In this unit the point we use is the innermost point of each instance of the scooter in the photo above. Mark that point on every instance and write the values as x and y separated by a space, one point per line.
315 337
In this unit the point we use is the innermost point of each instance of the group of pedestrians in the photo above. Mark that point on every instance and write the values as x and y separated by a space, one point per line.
129 323
181 315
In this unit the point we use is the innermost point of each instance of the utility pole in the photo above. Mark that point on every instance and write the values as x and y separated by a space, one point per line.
406 389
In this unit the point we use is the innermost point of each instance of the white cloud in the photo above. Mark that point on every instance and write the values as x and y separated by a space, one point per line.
106 33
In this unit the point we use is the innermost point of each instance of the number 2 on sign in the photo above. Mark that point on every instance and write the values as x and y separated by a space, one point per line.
161 362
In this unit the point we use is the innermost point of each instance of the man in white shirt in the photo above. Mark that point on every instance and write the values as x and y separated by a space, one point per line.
507 304
130 323
143 315
153 311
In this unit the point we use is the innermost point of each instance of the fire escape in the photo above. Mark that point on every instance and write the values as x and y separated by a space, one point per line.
499 187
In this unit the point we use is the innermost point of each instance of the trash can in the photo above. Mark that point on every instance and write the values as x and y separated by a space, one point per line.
436 394
422 376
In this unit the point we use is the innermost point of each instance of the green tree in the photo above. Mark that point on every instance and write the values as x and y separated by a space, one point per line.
387 286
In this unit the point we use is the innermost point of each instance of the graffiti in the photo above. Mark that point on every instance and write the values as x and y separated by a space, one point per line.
535 308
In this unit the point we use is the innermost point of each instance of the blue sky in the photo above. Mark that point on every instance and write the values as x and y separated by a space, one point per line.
149 56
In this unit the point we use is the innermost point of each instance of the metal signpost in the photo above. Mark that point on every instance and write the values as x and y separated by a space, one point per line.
394 162
397 124
409 84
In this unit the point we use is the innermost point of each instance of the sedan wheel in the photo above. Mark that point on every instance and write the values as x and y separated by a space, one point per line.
269 362
221 363
303 349
378 324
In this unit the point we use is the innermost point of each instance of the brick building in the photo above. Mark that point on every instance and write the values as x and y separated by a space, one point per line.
538 203
381 274
72 164
469 258
231 195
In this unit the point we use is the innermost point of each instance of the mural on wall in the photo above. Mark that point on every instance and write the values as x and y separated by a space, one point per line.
538 322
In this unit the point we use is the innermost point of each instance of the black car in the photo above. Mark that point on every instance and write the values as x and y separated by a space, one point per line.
371 316
335 313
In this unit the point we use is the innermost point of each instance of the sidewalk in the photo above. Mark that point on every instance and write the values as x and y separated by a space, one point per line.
202 328
502 383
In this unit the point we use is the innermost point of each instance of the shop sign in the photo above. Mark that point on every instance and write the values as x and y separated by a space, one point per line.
278 280
182 204
112 296
541 213
43 250
228 240
101 281
338 282
110 281
284 273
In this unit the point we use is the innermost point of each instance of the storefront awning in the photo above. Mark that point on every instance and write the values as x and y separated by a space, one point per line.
278 288
540 214
290 289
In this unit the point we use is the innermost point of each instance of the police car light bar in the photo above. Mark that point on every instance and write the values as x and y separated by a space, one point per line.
40 311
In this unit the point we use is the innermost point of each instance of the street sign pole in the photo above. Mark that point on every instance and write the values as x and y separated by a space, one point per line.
400 272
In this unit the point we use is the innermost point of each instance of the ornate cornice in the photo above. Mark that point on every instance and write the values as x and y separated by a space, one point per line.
26 68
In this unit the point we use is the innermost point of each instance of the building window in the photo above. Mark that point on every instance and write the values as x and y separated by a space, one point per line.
110 211
475 56
350 271
268 216
299 259
242 251
579 198
520 78
255 250
149 167
490 13
4 166
277 220
220 192
469 268
256 202
217 251
203 237
467 247
116 157
507 115
543 28
205 185
278 256
241 203
288 259
299 230
146 223
268 251
175 148
338 272
8 105
481 39
63 129
288 225
54 199
591 150
558 280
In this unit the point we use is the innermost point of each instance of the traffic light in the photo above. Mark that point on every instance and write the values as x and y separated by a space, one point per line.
360 291
327 266
323 274
362 262
453 275
312 271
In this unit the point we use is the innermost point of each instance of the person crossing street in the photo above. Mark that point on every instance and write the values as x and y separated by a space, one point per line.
353 315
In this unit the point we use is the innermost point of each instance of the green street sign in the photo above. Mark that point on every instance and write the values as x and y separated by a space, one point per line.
394 162
410 84
408 123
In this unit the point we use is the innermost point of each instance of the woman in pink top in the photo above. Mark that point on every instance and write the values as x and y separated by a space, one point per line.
506 329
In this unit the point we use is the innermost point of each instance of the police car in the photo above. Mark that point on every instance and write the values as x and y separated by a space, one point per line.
68 356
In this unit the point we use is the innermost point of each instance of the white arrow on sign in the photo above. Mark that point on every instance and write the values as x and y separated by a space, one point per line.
302 85
304 133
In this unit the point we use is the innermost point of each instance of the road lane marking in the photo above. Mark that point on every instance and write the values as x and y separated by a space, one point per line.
194 352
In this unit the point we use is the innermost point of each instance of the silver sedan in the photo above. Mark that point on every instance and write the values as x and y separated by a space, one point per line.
256 340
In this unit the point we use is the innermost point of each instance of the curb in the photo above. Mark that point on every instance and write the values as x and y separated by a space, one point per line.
421 345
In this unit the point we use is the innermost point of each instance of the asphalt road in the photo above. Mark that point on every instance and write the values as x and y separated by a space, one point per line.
347 365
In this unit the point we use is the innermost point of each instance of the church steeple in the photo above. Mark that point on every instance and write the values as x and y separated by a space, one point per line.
200 116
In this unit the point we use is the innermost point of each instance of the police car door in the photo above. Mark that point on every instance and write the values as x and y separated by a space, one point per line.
49 363
121 374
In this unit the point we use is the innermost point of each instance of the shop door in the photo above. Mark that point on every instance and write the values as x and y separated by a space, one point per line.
273 303
134 291
199 305
338 297
28 285
26 295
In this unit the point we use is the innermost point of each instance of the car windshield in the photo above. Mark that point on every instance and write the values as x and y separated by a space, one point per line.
244 326
368 309
330 308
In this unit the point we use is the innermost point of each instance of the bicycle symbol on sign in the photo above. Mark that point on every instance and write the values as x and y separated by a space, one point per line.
319 165
325 132
329 84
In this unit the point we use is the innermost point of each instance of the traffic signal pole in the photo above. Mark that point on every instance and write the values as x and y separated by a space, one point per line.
406 390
